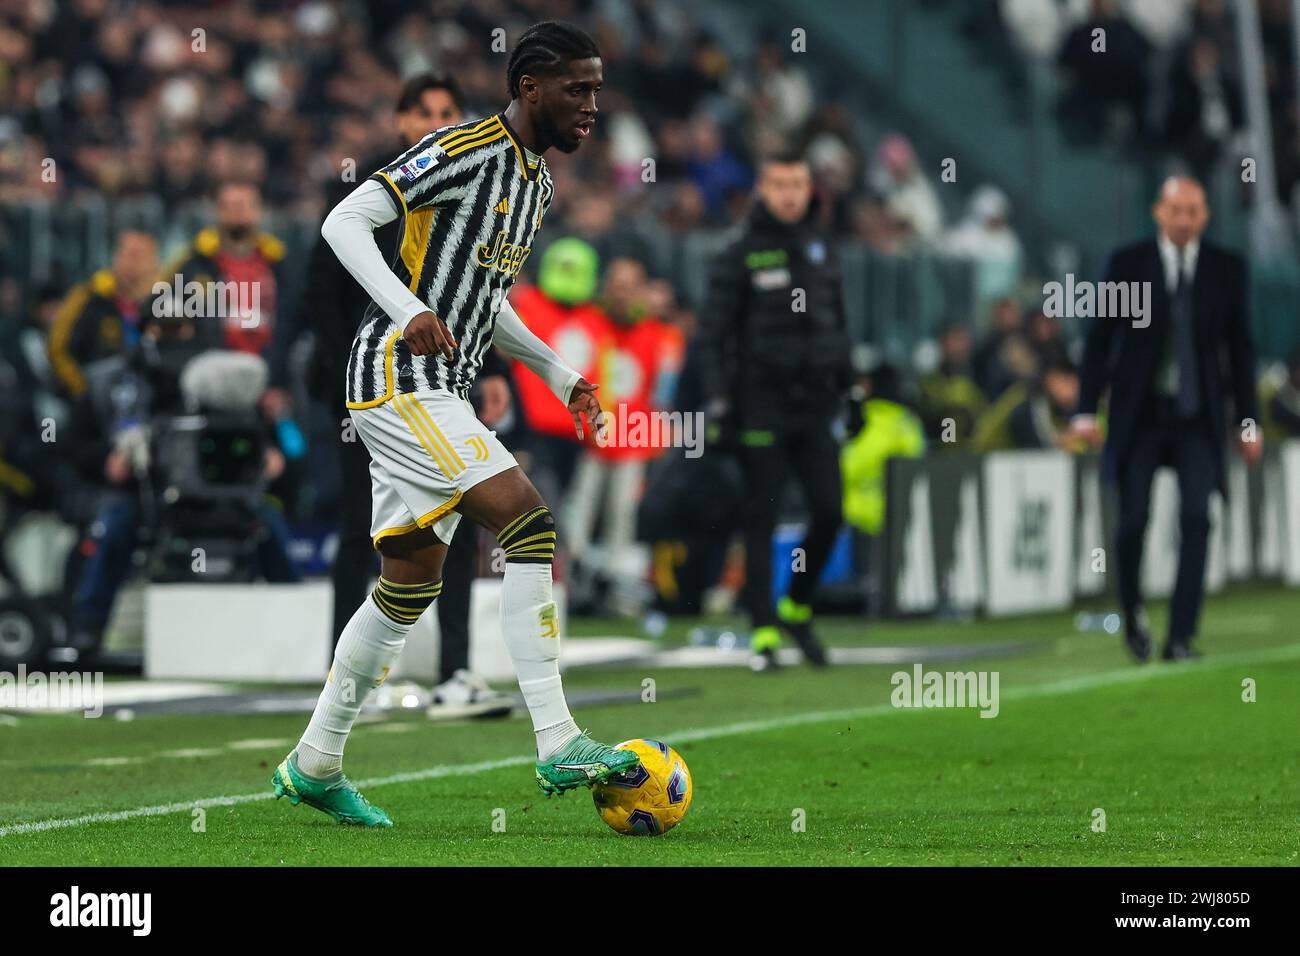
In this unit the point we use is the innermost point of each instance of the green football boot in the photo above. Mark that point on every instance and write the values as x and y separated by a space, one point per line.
339 798
582 761
796 620
763 645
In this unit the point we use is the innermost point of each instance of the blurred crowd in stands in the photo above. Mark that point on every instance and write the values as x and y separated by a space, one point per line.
1171 79
235 115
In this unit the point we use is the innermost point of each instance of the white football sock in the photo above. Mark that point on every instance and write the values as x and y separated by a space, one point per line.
531 627
366 652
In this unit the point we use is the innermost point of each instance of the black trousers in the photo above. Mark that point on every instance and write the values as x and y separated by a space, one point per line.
811 453
1189 447
354 564
453 604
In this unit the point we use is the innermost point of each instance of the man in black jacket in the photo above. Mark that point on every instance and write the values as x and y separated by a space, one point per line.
333 306
1170 374
775 353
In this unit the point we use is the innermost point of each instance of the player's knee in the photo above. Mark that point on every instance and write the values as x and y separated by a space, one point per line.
403 604
413 546
529 538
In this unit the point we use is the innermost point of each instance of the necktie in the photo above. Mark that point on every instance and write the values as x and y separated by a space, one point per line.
1189 385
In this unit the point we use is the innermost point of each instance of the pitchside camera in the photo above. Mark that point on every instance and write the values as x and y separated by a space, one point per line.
209 468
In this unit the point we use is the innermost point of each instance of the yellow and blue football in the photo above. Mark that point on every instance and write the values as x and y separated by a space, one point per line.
652 798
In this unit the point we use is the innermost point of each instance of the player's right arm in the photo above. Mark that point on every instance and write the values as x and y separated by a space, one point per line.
350 231
421 177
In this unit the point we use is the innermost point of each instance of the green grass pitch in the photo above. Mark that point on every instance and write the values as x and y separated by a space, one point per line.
1184 770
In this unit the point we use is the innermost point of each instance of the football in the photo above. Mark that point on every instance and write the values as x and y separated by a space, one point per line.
650 800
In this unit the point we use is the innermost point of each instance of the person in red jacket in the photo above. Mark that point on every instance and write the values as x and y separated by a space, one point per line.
638 367
559 310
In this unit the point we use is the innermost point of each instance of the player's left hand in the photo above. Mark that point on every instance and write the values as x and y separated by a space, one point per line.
582 401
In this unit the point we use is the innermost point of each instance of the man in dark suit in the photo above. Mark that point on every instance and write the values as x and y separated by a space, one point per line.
1171 373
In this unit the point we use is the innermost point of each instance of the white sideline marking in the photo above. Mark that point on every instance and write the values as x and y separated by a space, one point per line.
259 743
1068 685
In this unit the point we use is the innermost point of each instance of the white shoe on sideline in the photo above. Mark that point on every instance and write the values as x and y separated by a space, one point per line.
468 695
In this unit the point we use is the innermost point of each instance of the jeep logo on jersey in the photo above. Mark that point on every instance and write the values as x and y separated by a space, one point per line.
503 256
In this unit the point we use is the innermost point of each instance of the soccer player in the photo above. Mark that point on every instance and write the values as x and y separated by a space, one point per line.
471 198
333 303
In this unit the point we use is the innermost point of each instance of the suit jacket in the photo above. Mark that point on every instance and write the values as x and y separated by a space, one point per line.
1128 359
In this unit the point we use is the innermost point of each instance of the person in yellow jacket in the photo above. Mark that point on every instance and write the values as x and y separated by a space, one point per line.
889 430
1033 415
104 315
236 269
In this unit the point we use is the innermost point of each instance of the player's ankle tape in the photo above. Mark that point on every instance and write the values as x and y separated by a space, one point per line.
404 603
530 538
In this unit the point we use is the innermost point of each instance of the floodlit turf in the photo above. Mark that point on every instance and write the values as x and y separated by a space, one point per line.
1184 771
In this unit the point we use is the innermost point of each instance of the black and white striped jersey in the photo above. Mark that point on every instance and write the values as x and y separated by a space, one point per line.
471 204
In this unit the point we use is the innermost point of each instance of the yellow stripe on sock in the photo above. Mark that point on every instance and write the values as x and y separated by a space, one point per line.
504 534
400 616
533 540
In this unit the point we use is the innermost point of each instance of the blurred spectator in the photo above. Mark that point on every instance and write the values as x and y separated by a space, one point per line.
1105 62
908 194
782 100
985 236
717 173
1039 26
951 402
1161 22
1004 322
1034 411
637 369
889 430
1045 338
104 315
1213 21
1204 105
236 268
561 312
690 533
1283 406
1042 420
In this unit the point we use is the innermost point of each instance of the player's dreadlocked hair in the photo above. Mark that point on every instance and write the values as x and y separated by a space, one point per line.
544 49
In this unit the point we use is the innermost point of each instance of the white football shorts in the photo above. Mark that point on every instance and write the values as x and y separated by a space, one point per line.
426 450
